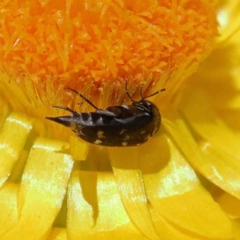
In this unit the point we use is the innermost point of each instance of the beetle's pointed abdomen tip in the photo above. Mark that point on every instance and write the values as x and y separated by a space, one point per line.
65 120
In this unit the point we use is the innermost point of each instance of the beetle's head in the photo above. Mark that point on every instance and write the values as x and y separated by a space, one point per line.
144 105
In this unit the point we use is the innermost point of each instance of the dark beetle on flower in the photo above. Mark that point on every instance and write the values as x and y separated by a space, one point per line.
117 126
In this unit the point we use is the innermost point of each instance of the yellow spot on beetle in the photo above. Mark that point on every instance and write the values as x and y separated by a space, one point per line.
122 132
127 138
98 141
100 134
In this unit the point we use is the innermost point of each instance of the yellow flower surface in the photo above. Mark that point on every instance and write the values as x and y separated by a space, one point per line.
184 183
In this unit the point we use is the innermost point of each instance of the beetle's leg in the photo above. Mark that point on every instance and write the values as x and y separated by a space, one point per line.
85 99
65 108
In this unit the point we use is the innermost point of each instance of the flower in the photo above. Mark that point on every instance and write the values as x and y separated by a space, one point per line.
182 184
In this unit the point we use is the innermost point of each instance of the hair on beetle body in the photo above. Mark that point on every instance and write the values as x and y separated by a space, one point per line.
117 126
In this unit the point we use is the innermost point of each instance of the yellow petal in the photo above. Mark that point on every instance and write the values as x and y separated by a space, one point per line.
209 164
218 142
228 18
58 234
237 231
208 124
176 194
79 149
128 176
18 126
8 207
230 204
95 210
43 184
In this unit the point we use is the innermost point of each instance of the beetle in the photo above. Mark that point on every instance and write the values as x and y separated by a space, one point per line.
117 126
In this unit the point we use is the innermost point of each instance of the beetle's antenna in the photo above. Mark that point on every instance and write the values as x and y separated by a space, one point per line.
155 93
128 92
85 99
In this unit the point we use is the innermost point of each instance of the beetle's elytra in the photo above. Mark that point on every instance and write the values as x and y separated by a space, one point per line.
117 126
